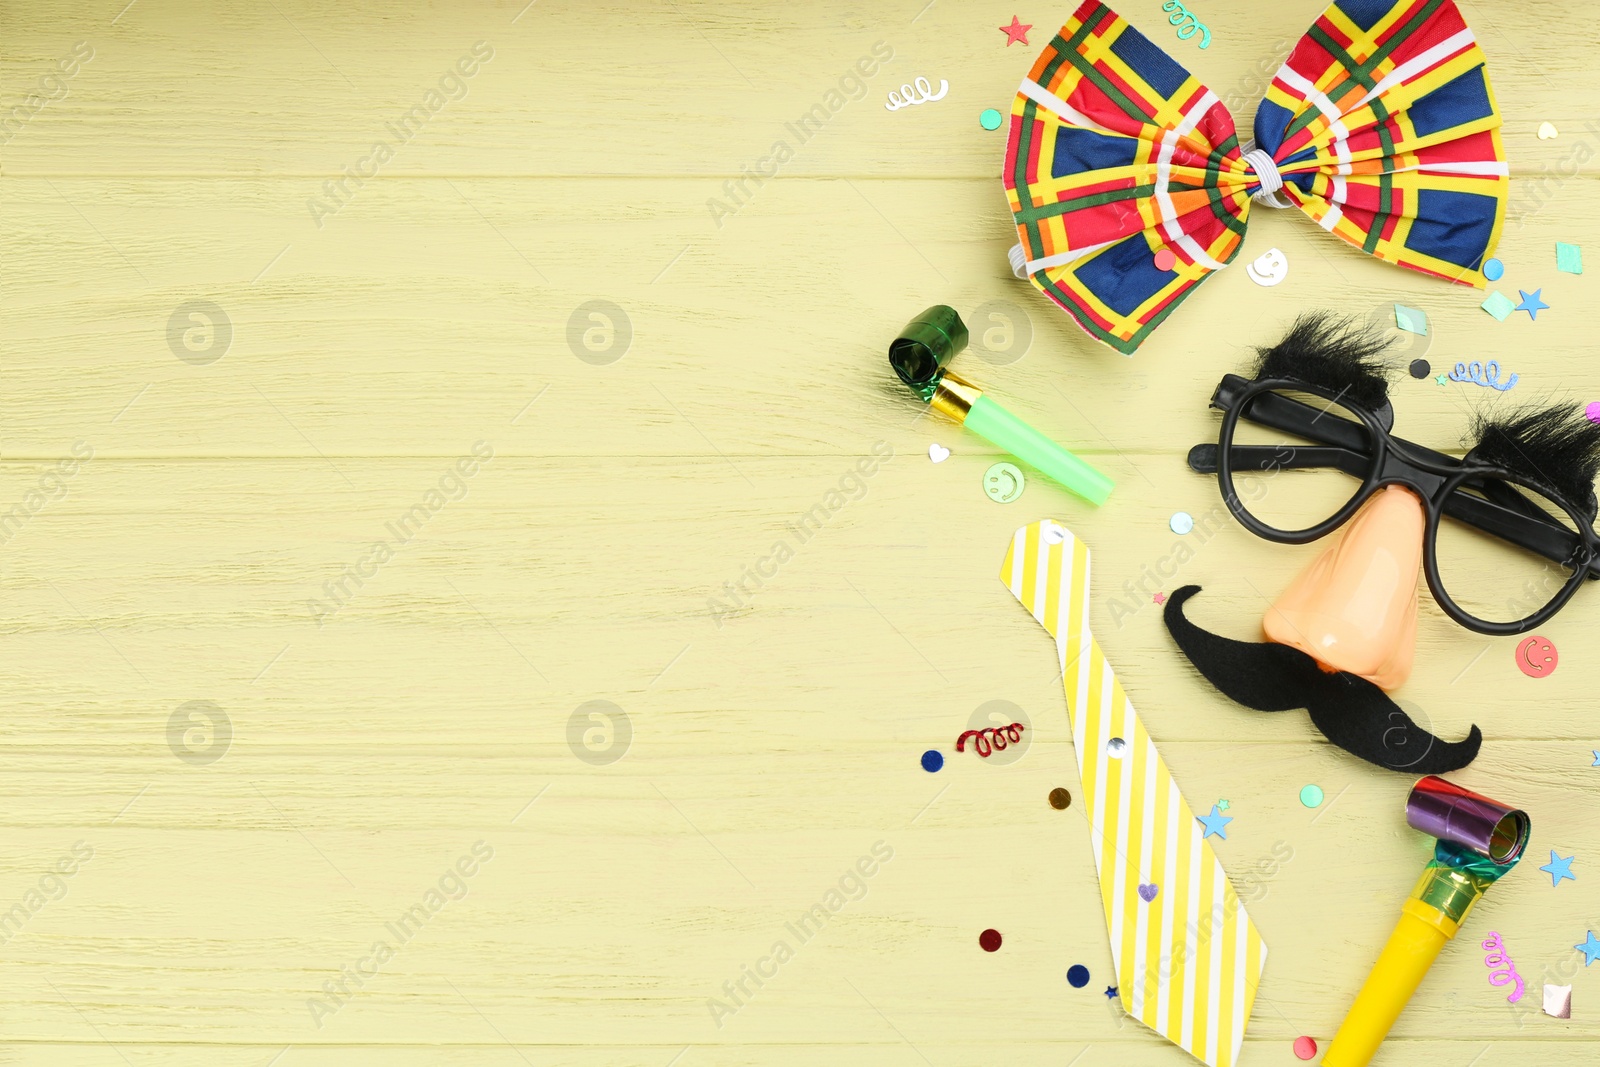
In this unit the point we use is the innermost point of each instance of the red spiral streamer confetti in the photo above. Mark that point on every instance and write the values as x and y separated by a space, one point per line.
996 739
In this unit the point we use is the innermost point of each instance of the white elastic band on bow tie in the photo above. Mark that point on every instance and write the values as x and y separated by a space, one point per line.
1271 181
1019 261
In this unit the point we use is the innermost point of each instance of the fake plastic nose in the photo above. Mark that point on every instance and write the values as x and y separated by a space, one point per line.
1355 608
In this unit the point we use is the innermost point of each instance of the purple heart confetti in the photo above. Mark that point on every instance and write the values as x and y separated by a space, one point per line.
1147 892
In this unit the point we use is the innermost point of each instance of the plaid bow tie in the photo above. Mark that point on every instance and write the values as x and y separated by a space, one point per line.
1381 126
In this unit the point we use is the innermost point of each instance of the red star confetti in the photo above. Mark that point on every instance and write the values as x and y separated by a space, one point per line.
1015 32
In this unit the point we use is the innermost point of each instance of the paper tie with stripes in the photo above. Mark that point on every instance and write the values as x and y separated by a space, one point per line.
1188 960
1381 125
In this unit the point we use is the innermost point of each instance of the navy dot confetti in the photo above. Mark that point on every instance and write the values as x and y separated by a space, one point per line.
1077 976
932 760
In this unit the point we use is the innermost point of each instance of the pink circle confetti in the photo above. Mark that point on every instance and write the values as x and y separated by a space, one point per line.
1305 1048
1593 411
1165 259
1537 657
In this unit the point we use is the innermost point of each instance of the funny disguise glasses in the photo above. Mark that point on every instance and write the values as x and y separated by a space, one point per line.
1504 548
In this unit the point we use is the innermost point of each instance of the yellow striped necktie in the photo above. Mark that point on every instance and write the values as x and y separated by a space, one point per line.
1188 959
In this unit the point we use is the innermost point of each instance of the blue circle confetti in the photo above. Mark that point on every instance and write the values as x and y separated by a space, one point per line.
990 119
1493 269
932 760
1077 976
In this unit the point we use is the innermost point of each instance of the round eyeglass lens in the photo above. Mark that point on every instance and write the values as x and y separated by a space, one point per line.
1292 480
1504 579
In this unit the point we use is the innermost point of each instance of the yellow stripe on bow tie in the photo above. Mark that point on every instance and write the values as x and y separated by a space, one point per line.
1188 960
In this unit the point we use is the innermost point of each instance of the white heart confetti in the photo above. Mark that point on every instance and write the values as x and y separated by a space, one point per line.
1547 131
938 453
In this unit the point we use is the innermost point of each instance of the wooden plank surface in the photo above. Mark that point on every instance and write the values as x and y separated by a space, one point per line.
258 740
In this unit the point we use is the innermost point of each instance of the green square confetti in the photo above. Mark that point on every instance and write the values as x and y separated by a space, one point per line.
1410 319
1569 258
1499 305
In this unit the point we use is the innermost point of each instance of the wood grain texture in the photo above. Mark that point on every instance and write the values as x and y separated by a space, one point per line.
176 529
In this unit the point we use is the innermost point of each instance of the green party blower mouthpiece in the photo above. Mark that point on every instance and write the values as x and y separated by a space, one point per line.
920 356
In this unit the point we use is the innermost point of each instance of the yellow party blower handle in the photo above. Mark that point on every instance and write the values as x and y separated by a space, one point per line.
1411 950
1429 918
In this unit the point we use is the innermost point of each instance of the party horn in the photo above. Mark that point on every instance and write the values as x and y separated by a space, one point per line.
1479 840
921 355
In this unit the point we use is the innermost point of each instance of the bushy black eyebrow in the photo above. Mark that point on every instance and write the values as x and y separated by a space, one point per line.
1343 356
1556 445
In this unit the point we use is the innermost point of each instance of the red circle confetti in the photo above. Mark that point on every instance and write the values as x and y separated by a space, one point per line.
989 940
1536 657
1165 259
1305 1047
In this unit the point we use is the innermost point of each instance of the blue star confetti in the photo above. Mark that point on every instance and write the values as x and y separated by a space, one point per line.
1531 303
1596 762
1111 992
1559 868
1590 948
1216 824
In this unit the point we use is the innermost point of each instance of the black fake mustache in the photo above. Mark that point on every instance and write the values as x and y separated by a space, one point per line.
1350 711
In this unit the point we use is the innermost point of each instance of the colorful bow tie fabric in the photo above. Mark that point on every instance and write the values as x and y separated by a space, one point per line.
1381 126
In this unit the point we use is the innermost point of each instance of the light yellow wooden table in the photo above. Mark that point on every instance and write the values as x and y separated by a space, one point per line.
329 510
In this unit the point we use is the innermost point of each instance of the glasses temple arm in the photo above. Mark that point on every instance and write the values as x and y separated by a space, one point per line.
1537 535
1306 420
1203 458
1290 415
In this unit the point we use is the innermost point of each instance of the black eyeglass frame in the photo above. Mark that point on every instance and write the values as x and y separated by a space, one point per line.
1380 459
